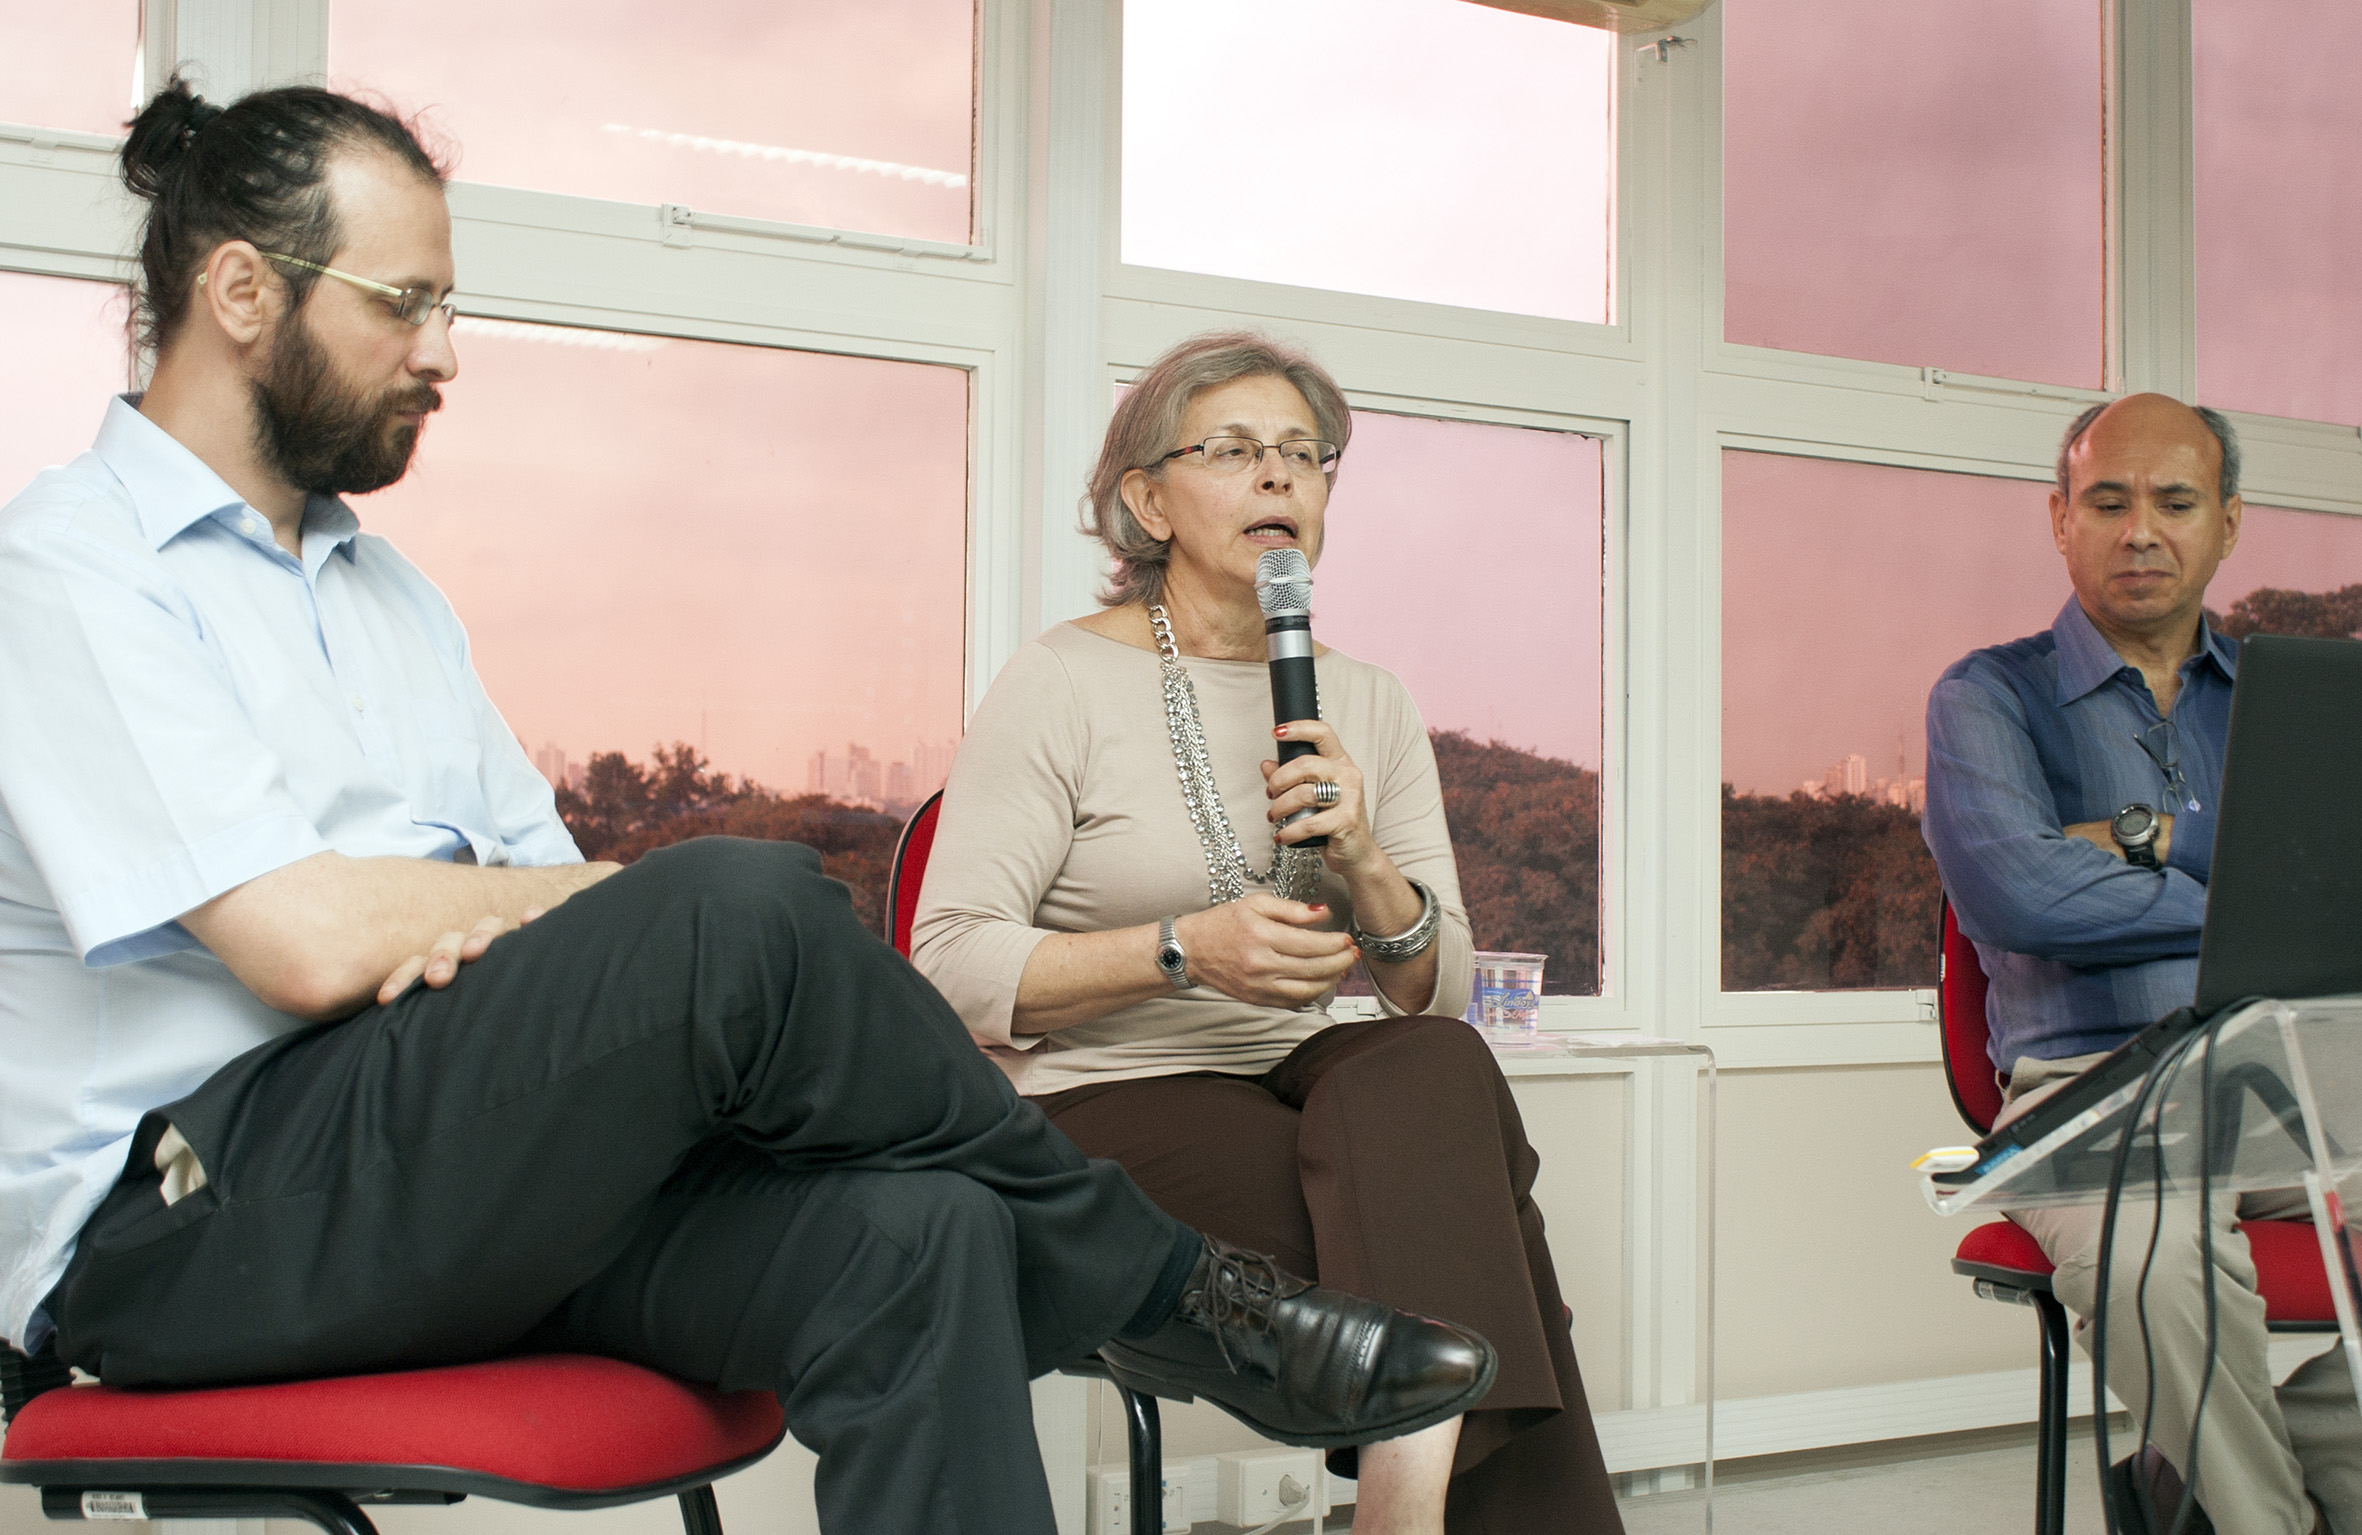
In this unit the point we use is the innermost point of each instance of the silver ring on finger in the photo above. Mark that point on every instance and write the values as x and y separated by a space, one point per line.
1325 793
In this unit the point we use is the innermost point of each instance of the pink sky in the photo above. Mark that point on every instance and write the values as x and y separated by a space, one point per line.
1486 606
762 550
1918 183
1935 565
88 55
69 337
532 92
2279 207
1420 149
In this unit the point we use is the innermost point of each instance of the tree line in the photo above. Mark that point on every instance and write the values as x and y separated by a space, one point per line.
1817 894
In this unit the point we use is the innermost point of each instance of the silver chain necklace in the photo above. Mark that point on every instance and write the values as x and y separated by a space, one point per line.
1295 871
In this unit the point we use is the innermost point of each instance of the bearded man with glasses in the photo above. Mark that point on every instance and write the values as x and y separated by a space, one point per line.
2072 786
287 1085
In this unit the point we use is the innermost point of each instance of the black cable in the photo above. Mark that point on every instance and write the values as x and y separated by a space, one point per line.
2140 1292
2125 1138
2189 1502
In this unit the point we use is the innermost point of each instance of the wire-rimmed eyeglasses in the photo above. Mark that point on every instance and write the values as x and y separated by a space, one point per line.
410 305
1231 455
2164 746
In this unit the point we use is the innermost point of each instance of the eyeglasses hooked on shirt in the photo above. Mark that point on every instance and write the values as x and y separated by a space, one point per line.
2164 745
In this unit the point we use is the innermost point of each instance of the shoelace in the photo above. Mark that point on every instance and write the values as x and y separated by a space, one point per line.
1239 1291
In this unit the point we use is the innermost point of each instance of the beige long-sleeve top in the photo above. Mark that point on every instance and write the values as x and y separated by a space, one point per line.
1064 815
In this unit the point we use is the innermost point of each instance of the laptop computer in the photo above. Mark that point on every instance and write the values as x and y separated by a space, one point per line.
2284 900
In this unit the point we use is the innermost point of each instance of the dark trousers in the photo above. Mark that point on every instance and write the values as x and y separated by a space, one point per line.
1387 1158
696 1117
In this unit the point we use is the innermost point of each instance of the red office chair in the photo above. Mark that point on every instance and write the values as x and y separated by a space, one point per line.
553 1431
1143 1423
2007 1265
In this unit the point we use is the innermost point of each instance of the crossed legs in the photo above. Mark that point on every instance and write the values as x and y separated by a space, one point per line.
665 1119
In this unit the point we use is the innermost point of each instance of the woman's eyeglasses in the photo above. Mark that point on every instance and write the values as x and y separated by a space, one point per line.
1231 455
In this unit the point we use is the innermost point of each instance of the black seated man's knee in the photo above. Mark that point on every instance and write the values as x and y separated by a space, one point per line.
737 893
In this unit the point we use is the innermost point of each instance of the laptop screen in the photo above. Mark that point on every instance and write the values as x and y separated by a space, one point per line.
2284 901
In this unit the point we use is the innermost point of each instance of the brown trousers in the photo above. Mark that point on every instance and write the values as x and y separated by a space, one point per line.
1385 1158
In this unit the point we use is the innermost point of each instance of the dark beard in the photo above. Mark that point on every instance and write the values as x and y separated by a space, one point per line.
326 439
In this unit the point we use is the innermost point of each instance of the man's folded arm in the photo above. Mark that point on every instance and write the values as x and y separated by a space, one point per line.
2016 879
319 937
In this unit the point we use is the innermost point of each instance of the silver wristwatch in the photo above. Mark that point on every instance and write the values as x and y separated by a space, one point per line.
1169 957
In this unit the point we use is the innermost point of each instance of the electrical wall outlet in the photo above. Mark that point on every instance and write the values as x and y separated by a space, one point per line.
1254 1487
1111 1502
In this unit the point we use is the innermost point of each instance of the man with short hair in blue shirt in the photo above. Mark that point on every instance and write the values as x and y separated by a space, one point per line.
2072 779
289 1087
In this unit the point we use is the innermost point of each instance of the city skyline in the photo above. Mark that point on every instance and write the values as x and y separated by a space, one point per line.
853 776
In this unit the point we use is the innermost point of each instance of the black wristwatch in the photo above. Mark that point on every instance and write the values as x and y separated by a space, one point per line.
2135 830
1169 957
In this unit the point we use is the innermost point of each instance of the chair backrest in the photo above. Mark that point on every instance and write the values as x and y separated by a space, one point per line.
1960 1015
909 870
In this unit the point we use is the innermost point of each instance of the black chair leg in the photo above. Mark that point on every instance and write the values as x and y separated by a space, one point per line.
700 1514
1146 1432
2050 1432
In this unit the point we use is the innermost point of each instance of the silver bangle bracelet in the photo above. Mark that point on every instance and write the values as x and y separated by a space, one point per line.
1412 942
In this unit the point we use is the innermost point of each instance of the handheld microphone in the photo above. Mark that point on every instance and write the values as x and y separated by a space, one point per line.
1283 589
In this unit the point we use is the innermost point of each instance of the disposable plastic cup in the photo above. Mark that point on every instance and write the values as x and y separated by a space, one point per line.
1508 991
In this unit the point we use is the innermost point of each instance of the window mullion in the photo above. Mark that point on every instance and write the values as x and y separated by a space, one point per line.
231 47
1069 391
1671 202
2152 183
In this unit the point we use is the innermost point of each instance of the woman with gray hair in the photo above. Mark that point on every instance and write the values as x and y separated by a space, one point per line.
1093 911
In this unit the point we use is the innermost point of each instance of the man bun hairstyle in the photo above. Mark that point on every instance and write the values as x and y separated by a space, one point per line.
255 170
1147 423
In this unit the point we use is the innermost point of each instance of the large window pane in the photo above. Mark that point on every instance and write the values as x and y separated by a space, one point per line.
68 66
1834 627
70 353
1840 609
1488 609
809 112
672 553
1917 184
1417 149
2279 207
2293 573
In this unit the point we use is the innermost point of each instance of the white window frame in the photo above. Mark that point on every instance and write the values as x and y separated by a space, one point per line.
1045 319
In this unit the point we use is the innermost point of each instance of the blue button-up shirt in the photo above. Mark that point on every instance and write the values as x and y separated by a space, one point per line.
185 706
2022 739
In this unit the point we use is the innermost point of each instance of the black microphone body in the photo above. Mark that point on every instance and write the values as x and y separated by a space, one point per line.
1286 595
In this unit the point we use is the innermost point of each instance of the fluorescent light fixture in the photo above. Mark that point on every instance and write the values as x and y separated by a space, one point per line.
778 153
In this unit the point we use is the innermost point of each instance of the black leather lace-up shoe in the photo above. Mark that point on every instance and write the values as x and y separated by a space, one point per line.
1302 1365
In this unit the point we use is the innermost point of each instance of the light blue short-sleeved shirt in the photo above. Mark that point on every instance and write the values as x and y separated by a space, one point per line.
184 707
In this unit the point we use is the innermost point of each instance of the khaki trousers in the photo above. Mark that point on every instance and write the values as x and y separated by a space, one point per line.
2260 1450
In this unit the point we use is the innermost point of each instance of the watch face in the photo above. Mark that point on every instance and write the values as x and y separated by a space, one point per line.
2134 823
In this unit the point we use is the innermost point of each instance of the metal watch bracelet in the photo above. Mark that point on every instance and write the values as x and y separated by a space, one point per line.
1412 942
1171 959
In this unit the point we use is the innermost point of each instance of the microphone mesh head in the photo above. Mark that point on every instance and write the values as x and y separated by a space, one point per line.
1283 583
